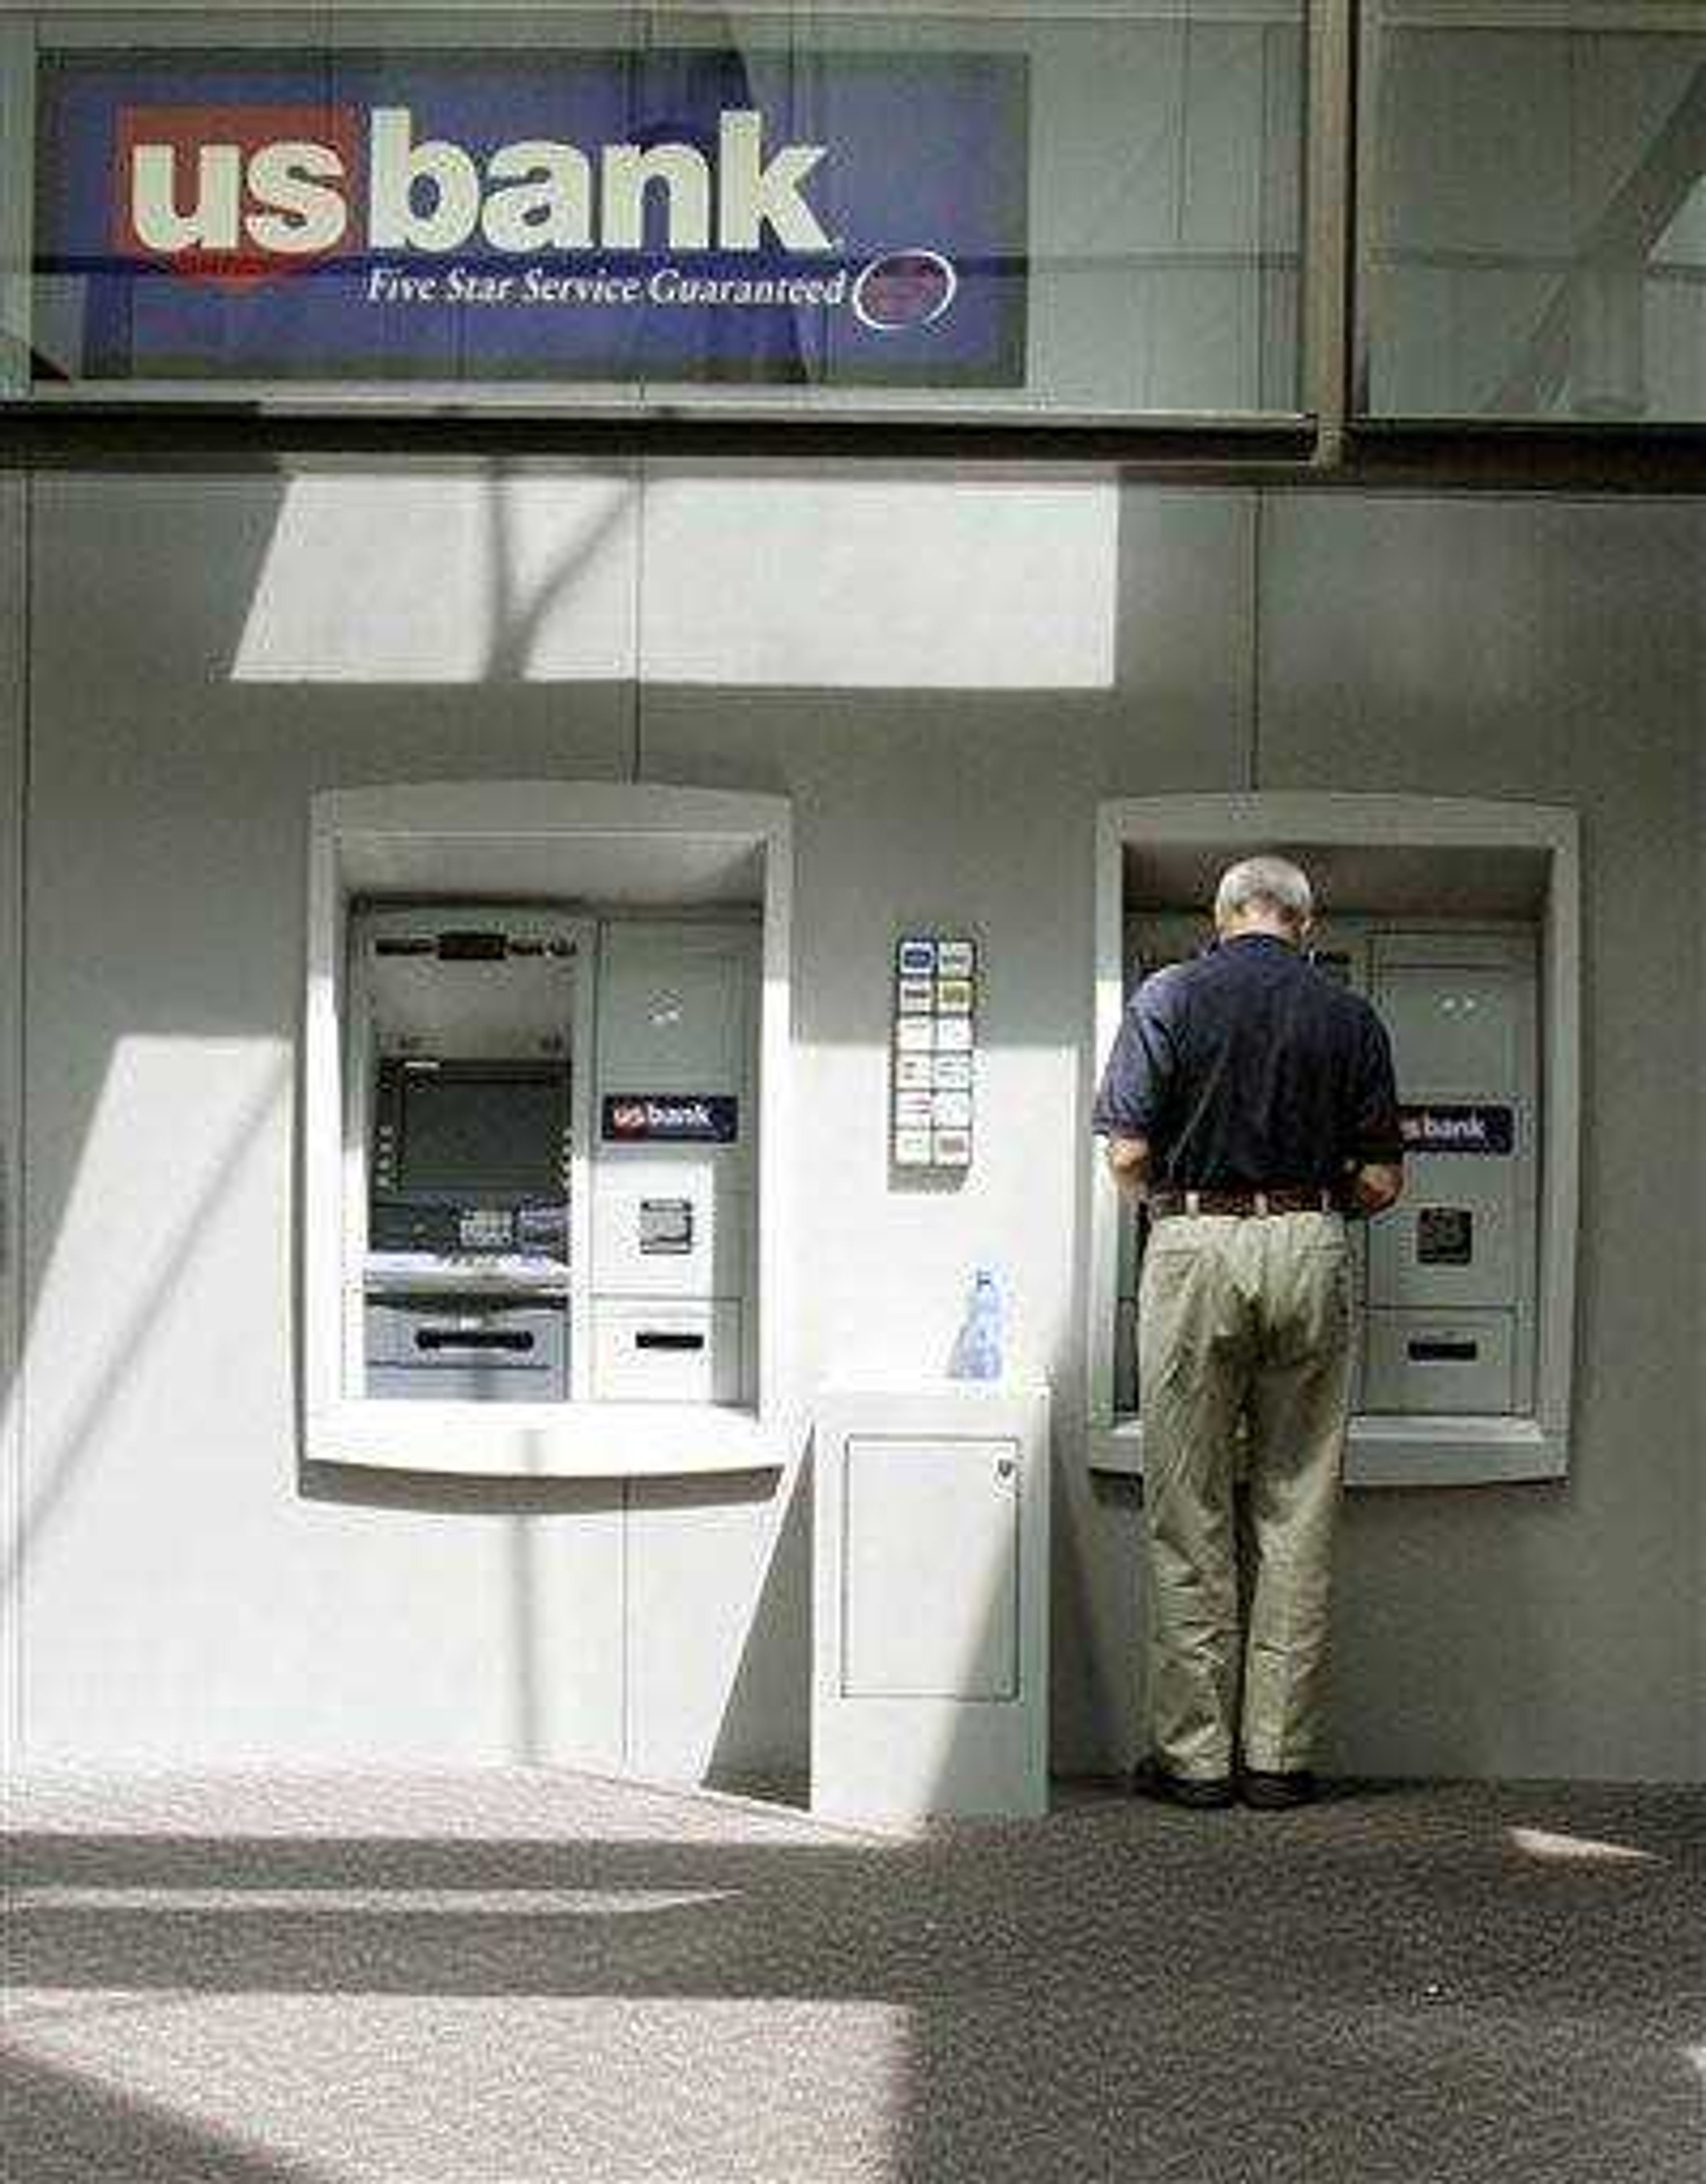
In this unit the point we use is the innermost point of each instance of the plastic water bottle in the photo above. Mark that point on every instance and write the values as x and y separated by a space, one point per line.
977 1354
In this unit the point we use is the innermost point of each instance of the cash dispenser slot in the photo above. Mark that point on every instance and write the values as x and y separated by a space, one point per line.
482 946
473 947
466 1350
437 1340
1418 1363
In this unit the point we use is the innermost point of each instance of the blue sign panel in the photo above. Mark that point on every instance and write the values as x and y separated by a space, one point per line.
1458 1130
857 219
670 1118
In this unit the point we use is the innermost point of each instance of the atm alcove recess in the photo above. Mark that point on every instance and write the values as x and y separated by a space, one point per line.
547 1068
1460 921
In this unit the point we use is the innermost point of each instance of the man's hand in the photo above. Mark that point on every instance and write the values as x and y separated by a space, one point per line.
1128 1164
1377 1186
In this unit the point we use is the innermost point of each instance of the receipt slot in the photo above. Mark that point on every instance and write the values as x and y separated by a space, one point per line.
556 1115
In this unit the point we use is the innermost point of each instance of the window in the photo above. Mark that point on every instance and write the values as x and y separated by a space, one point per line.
1016 211
1535 228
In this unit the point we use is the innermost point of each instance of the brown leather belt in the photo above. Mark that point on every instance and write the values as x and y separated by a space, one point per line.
1288 1200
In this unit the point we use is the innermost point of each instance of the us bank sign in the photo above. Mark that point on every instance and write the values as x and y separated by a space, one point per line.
858 220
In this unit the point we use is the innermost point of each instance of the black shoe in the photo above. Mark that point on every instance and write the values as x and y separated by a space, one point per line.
1276 1793
1200 1793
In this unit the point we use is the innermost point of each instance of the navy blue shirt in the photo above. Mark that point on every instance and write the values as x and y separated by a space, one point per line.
1248 1069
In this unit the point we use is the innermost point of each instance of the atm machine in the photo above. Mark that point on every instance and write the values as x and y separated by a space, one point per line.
552 1115
1446 1282
467 1045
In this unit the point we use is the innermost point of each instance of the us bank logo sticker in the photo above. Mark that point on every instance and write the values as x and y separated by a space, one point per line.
460 217
1468 1128
265 198
912 288
670 1118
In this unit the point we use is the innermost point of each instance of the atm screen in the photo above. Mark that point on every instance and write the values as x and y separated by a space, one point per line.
481 1131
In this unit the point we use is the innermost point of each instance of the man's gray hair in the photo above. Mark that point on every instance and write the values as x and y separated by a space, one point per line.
1275 884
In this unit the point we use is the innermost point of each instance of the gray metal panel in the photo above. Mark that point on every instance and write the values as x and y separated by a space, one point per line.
1440 1364
665 1349
675 1007
1482 1193
444 1351
1457 1032
717 1256
463 1383
410 1331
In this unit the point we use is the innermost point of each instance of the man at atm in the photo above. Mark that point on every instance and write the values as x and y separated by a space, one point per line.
1249 1104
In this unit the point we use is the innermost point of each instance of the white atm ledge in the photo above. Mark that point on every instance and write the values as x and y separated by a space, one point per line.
1398 1451
548 1441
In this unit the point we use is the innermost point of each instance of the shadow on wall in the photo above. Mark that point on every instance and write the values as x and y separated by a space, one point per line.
772 1682
330 631
1430 1709
166 1011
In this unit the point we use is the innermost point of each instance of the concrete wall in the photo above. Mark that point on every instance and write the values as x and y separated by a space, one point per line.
945 675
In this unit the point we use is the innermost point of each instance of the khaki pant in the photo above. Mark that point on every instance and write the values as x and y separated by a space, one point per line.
1244 1356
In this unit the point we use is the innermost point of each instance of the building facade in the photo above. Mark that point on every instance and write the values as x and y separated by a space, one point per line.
946 669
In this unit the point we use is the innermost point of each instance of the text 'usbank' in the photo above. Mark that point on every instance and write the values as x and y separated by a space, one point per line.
202 185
